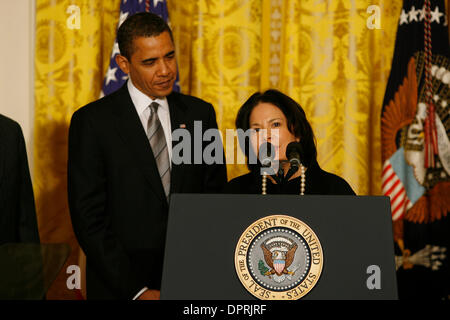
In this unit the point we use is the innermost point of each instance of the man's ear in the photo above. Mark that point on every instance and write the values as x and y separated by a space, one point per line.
123 63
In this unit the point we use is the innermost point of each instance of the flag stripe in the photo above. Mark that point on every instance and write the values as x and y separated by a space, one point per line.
386 167
400 206
398 190
397 215
389 181
400 195
388 174
393 187
389 191
399 198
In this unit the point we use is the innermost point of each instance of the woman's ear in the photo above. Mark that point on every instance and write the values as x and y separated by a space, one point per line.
292 130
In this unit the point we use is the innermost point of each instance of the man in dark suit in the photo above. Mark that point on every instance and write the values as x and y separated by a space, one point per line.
120 173
17 209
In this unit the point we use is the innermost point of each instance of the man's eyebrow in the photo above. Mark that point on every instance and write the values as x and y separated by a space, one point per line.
170 53
154 59
149 60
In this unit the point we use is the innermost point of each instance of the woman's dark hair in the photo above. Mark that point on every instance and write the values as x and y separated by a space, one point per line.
142 24
296 121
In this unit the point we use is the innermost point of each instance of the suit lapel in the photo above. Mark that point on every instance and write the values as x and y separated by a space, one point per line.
177 118
129 127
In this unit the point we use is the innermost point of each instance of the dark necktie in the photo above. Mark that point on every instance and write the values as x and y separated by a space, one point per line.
158 143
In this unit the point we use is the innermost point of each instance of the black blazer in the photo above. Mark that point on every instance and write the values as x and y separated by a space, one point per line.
17 209
116 198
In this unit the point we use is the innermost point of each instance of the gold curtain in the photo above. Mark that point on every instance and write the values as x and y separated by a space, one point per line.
72 48
319 52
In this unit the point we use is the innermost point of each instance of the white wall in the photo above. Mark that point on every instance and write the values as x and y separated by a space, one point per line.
17 19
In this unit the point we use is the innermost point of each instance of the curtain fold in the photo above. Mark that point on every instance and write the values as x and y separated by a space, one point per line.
218 47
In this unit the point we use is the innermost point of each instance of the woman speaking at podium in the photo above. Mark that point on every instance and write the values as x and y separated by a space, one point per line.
278 125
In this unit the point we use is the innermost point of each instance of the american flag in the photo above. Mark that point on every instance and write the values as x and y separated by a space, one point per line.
400 185
415 149
406 173
115 78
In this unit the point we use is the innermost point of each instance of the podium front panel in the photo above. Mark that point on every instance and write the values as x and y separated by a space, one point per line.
355 233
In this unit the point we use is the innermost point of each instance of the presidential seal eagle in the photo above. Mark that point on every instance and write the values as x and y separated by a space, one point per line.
279 253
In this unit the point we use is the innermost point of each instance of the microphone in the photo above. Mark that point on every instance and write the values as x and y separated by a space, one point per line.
293 152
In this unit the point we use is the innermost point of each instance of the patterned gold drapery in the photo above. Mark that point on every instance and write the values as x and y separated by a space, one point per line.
319 52
71 56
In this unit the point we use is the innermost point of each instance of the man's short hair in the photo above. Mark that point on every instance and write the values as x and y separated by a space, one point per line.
142 24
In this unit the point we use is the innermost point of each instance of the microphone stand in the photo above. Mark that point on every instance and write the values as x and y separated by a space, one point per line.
279 176
292 170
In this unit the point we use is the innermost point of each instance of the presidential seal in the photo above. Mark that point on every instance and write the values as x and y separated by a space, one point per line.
278 258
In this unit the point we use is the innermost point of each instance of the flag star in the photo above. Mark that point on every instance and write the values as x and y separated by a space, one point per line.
115 49
403 17
155 2
436 98
444 103
110 75
422 13
413 14
436 15
123 17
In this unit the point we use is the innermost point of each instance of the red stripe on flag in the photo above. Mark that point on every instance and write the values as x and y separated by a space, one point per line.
385 169
401 210
401 192
388 179
392 188
396 217
401 205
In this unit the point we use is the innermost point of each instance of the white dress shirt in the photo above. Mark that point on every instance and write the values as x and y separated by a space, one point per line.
142 102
